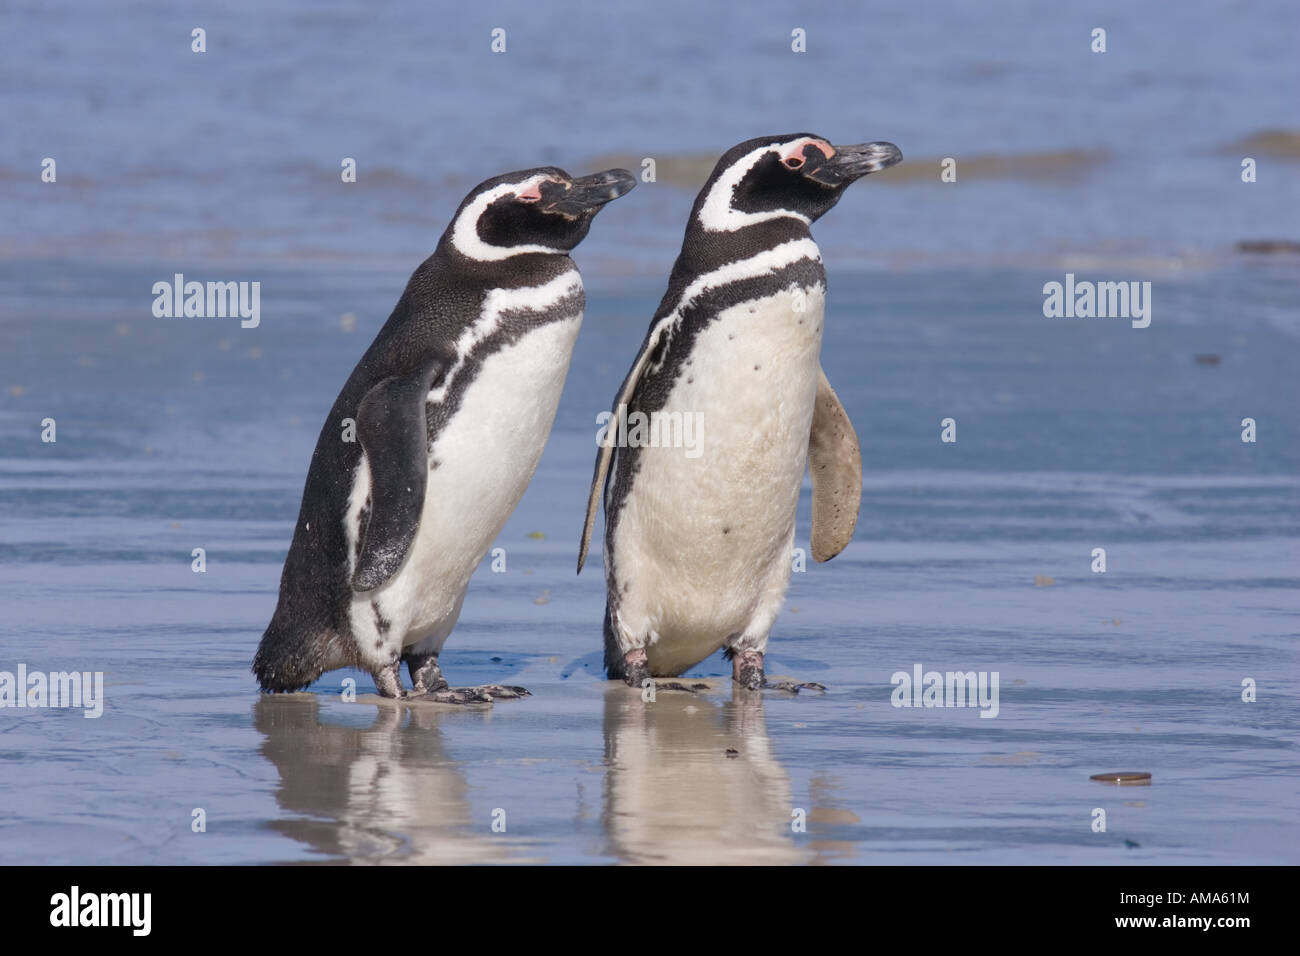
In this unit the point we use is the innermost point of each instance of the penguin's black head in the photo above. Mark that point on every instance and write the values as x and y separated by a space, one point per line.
534 210
800 175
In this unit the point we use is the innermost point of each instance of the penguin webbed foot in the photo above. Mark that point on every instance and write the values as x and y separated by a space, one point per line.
792 686
483 694
678 685
672 685
430 685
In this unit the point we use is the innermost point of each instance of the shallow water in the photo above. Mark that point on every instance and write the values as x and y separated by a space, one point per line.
192 433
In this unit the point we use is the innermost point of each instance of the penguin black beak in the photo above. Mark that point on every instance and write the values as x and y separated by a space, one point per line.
589 193
854 162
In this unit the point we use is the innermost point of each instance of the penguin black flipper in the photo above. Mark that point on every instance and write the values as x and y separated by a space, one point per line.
392 429
835 463
600 478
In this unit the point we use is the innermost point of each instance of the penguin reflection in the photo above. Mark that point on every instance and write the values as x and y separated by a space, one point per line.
674 795
385 793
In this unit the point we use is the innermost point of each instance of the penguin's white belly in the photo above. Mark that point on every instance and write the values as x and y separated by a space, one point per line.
702 544
480 464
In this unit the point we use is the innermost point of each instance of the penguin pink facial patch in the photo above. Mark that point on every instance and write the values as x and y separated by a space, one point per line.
793 155
532 193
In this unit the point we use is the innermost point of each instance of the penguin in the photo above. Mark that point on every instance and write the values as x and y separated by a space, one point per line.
433 439
698 541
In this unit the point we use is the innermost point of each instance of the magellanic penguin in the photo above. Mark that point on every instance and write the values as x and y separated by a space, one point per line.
698 542
450 407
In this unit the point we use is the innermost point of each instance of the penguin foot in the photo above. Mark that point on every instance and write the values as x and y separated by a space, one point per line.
792 686
431 685
483 694
636 671
636 667
747 671
426 676
677 685
387 681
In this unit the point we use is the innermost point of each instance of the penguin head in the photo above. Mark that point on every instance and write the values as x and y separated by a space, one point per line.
800 176
533 210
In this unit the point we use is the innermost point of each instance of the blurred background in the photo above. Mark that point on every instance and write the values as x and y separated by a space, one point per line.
235 153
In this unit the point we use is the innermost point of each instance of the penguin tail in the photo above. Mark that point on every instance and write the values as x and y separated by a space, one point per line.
289 660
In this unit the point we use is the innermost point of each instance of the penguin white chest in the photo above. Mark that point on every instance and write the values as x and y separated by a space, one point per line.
702 541
480 463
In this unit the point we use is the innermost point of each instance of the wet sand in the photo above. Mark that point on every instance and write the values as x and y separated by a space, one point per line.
183 434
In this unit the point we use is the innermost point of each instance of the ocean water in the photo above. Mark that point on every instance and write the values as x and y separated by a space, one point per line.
1131 156
1072 434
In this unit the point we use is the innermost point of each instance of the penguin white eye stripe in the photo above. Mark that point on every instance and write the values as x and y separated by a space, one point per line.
717 214
464 234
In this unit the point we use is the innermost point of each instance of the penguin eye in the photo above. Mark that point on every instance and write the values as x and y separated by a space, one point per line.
793 162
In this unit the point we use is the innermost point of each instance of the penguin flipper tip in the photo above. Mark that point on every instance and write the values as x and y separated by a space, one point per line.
366 578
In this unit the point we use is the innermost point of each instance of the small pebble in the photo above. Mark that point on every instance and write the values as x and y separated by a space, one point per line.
1123 777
